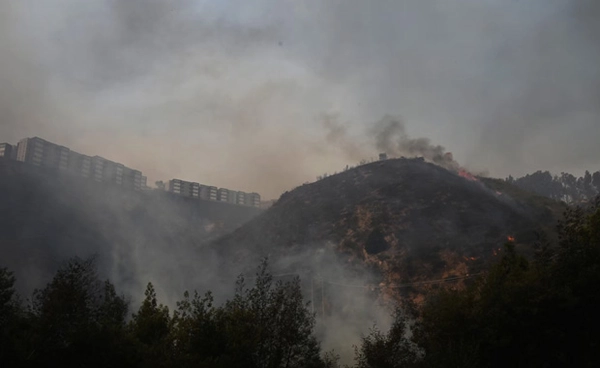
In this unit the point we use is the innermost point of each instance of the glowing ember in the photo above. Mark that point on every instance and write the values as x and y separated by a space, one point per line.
467 175
511 239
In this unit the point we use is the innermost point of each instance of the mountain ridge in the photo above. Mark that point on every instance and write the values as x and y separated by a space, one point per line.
407 219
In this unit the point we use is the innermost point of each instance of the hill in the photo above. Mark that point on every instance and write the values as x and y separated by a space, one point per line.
405 219
47 218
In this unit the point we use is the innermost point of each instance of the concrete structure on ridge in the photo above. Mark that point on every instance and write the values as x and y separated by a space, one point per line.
8 151
41 153
211 193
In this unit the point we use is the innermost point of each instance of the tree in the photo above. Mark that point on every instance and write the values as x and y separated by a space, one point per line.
78 319
539 312
268 325
392 350
151 327
596 181
198 339
588 189
7 293
10 314
265 325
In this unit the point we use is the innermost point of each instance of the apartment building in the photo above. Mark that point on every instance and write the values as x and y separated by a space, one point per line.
133 179
253 199
222 195
248 199
111 172
79 164
39 152
241 198
184 188
8 151
208 193
232 196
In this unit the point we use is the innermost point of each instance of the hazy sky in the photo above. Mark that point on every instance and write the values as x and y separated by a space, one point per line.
263 95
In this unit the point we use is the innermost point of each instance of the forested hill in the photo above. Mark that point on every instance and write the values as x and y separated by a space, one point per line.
407 219
47 218
564 187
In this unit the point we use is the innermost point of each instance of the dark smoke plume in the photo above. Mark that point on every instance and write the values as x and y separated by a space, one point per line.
391 137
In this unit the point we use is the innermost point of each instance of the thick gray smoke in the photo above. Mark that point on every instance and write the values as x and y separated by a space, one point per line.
186 88
391 138
264 95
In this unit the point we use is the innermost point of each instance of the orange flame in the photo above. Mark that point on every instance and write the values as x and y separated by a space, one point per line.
511 239
467 175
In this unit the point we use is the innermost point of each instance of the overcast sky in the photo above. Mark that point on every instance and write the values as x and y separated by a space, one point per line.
264 95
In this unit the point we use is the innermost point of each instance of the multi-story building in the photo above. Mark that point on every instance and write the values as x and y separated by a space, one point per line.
80 164
211 193
232 196
208 193
248 199
112 172
222 194
205 192
175 186
241 198
97 168
8 151
106 171
133 179
253 199
184 188
38 152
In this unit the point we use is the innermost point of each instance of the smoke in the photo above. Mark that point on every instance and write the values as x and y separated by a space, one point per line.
264 95
390 137
233 95
344 298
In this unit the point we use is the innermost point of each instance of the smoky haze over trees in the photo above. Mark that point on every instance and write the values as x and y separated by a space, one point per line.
565 187
265 95
541 312
507 87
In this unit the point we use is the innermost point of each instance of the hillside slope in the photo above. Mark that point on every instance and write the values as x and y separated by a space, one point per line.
138 237
404 218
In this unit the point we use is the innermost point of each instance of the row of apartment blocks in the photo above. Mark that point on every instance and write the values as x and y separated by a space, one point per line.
39 152
211 193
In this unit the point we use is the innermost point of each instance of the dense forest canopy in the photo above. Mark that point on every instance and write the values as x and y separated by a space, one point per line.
564 187
539 312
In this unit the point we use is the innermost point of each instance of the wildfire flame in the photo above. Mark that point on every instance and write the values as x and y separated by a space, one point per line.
467 175
511 239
